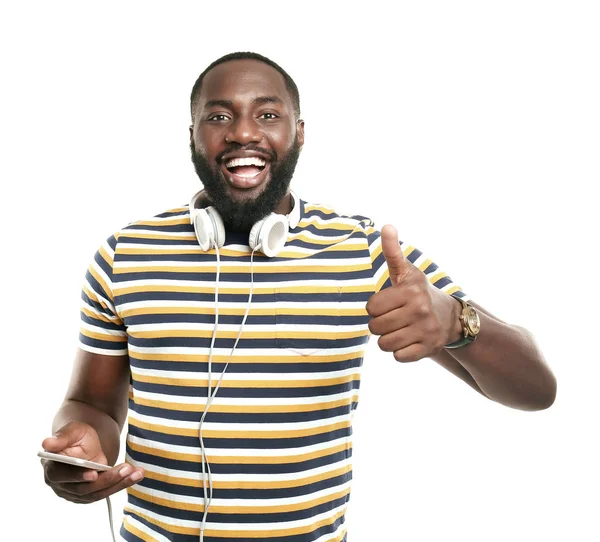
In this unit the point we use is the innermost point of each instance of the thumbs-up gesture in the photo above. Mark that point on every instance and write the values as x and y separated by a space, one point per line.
413 318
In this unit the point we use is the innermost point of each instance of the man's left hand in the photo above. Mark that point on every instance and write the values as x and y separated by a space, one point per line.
413 318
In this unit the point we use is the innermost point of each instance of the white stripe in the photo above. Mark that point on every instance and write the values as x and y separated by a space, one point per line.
254 353
102 351
243 401
331 265
218 427
239 477
248 377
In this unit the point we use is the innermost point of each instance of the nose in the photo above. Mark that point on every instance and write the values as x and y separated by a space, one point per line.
244 130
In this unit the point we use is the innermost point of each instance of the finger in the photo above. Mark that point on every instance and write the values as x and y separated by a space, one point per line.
58 473
397 264
105 481
389 322
399 339
391 298
411 353
135 477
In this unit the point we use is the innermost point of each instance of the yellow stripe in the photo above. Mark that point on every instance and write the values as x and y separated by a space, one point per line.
103 336
244 384
99 315
425 264
225 269
240 460
382 279
229 533
101 281
245 409
453 290
165 221
134 530
335 311
199 358
241 291
437 277
239 434
249 334
144 235
282 508
331 241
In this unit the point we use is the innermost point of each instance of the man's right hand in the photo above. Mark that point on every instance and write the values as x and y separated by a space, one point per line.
81 485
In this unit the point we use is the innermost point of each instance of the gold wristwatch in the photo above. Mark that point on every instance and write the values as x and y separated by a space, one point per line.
470 324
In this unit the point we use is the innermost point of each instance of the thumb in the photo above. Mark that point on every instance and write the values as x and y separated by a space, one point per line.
397 264
66 437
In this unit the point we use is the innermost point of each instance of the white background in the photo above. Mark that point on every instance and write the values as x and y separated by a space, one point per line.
473 127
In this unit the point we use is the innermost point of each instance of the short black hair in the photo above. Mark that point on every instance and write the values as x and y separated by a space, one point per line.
289 82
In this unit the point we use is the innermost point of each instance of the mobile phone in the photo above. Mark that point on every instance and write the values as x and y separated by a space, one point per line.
74 461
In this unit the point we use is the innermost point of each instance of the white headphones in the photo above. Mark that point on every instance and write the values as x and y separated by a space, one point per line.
267 235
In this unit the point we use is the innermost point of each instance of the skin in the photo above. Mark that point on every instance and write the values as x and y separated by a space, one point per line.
245 102
413 318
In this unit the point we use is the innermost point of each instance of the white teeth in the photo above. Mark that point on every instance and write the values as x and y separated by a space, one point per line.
249 161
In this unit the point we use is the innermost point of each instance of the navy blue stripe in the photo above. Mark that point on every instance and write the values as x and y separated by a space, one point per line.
309 537
244 417
235 319
286 492
242 443
101 323
244 368
193 391
256 468
281 342
124 238
105 345
441 283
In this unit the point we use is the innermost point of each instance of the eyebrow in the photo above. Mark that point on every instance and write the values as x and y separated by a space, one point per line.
257 101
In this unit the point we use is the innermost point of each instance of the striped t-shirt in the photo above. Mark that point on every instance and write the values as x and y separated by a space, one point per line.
278 436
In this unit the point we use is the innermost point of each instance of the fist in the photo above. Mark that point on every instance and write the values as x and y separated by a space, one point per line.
413 318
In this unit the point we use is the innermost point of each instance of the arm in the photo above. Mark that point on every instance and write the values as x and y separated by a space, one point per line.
97 396
415 320
88 425
504 363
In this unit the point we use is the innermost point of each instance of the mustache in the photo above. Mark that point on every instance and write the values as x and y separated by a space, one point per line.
250 147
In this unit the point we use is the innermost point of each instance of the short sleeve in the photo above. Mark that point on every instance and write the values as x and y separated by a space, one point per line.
102 331
381 277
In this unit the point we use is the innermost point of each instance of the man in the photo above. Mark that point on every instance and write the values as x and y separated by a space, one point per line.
244 362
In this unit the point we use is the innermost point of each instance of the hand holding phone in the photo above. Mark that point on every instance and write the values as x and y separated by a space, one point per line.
95 480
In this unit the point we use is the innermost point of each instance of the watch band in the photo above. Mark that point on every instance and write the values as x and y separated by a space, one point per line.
467 337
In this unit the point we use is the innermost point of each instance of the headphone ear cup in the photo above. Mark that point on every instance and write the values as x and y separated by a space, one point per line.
218 226
269 235
209 228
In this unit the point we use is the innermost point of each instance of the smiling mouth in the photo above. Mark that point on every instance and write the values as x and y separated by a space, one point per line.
245 173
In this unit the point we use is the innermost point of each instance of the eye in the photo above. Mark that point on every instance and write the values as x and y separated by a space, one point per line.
219 117
269 116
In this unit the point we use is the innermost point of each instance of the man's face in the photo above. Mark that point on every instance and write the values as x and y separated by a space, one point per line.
245 141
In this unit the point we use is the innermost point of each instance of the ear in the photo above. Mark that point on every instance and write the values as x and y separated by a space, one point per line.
300 132
191 132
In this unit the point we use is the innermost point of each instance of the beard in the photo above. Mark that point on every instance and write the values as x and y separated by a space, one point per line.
242 215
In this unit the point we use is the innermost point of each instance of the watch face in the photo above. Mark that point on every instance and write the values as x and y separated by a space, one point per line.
472 321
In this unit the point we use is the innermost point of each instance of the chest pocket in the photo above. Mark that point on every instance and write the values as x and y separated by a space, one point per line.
307 321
